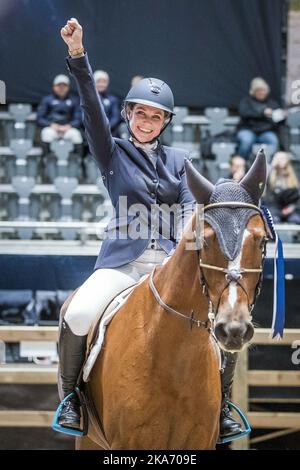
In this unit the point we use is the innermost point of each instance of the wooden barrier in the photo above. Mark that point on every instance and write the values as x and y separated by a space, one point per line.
27 374
42 374
11 334
26 419
265 378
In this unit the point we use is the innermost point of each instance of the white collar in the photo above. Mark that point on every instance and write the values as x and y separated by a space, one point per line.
147 147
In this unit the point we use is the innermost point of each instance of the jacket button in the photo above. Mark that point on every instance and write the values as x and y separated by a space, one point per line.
152 246
155 180
103 177
152 195
111 172
153 240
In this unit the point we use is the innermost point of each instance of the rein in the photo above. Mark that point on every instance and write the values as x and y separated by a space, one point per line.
231 275
169 309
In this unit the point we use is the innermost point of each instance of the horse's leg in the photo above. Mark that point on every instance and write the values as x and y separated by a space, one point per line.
85 443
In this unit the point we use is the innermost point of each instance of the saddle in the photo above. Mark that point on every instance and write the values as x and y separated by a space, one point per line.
94 344
91 422
96 334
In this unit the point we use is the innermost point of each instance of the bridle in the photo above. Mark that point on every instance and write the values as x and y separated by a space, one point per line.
231 275
234 275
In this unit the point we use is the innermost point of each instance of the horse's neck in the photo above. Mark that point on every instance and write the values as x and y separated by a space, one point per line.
179 285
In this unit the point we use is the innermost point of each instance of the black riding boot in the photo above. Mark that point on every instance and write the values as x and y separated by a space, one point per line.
71 358
228 425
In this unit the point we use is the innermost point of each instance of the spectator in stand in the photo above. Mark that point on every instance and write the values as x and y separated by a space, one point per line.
237 168
282 194
260 116
110 102
59 114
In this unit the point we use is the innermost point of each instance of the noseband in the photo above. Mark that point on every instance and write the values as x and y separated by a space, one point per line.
231 275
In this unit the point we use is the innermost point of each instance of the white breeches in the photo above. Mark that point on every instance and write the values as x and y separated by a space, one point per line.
48 135
103 285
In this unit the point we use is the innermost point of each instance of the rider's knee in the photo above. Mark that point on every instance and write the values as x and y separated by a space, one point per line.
78 321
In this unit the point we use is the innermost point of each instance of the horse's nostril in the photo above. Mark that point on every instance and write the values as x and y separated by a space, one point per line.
249 331
220 330
234 333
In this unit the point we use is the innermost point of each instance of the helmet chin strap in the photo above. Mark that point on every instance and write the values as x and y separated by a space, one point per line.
143 143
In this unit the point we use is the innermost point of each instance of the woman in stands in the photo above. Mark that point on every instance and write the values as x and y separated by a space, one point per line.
283 190
148 174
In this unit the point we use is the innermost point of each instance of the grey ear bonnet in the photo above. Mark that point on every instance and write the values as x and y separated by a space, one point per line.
229 223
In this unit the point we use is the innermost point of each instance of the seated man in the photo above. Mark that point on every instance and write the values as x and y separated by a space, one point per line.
110 102
260 115
59 114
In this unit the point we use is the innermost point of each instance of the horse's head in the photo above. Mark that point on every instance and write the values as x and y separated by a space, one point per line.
232 250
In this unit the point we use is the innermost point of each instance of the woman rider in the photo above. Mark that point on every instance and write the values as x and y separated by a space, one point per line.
148 174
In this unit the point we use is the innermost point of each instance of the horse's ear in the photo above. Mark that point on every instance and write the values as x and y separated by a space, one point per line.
199 186
255 179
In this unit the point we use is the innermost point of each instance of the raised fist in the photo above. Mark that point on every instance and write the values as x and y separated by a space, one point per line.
72 34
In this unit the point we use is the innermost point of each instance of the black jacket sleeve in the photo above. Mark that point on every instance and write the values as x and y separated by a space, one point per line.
248 108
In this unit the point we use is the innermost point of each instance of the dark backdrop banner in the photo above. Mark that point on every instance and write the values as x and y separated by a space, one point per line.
207 50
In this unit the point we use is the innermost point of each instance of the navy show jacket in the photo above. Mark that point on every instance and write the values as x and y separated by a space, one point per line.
127 171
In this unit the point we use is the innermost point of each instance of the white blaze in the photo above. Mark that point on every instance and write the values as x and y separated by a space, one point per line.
236 264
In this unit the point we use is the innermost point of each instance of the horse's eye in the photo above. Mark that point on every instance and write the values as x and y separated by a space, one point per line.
208 240
205 243
209 234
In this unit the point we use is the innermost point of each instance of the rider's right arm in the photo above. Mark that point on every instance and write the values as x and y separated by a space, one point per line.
97 129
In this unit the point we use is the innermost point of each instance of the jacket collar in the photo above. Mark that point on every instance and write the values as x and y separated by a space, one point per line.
131 149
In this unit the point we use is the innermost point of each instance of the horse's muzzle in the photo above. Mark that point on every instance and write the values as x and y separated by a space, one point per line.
233 335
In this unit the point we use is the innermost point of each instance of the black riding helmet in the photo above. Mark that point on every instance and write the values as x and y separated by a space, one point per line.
151 92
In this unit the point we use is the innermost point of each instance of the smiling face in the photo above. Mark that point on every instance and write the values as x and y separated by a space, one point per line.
146 122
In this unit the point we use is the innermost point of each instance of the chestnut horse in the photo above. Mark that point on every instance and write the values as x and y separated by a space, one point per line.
156 382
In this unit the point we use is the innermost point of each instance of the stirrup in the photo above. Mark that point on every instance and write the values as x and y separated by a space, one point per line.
72 432
247 428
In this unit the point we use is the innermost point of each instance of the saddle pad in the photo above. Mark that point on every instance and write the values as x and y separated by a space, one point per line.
97 333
